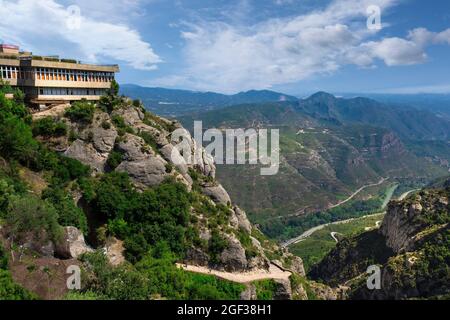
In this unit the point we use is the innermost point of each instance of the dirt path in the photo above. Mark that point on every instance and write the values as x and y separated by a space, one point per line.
240 277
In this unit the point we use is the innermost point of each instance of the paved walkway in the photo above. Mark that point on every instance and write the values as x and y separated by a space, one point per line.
274 272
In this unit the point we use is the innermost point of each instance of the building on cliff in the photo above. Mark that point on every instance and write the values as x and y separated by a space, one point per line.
51 80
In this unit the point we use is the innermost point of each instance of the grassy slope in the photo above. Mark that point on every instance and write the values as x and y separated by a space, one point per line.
313 249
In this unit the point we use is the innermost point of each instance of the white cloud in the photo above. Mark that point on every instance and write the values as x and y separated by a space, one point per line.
229 58
42 25
396 51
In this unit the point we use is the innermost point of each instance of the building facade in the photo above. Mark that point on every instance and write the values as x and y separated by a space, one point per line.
51 80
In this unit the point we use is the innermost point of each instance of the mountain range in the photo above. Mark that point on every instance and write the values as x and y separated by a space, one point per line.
172 102
330 147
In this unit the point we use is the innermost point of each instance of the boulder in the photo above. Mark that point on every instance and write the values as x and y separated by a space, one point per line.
297 266
130 115
243 222
72 244
173 156
87 154
249 294
114 251
217 193
147 172
196 257
141 163
283 290
134 148
233 258
104 139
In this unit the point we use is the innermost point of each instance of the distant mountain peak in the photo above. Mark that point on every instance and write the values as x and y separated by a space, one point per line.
322 95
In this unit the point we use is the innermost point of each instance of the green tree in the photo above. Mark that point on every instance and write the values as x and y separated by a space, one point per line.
29 214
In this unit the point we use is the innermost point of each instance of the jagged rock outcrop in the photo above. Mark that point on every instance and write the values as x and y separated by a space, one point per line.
297 266
242 221
249 294
233 258
411 249
141 163
72 244
196 257
217 192
94 142
283 290
398 226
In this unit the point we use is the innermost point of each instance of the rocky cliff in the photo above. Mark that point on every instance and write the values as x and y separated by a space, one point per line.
411 248
114 145
149 158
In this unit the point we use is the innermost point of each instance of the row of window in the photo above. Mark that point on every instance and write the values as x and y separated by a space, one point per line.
7 72
69 92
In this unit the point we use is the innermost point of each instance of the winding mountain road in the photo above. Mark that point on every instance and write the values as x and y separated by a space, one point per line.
354 194
311 231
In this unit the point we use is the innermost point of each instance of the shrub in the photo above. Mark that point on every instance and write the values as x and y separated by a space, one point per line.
16 139
106 125
141 219
265 289
6 191
114 160
69 215
64 169
120 283
73 136
217 244
81 111
29 214
110 100
10 290
48 127
150 140
120 124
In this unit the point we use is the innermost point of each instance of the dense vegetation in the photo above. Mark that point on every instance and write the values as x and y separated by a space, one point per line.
287 228
155 276
81 111
156 224
141 219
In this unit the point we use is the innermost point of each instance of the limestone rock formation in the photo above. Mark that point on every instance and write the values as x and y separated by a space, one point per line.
283 290
72 245
114 250
396 227
217 192
249 294
142 164
149 156
233 258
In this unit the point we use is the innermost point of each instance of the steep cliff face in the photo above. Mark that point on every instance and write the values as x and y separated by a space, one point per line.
412 247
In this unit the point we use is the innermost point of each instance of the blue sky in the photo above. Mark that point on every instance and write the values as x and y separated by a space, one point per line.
294 46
